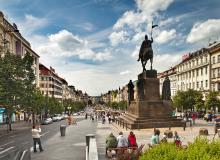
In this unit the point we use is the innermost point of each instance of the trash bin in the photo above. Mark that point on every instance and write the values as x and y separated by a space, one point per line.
62 130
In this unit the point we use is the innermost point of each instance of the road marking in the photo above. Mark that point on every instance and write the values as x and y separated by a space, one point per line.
12 136
7 143
6 150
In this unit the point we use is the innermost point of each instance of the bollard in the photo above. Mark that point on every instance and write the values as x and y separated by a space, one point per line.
62 130
88 136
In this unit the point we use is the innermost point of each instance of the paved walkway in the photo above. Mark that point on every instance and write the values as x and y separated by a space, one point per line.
70 147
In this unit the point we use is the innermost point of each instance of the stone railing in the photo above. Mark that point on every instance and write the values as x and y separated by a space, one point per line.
91 147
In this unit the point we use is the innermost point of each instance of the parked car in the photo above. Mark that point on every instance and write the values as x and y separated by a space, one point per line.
47 121
56 118
75 114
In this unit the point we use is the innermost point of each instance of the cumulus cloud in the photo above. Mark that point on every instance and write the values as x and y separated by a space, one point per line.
125 72
31 24
165 36
66 44
202 31
118 37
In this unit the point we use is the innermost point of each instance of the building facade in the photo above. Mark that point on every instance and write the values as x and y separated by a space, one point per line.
214 50
194 71
50 83
12 41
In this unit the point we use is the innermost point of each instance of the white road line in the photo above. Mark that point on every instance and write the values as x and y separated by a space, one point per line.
7 143
6 150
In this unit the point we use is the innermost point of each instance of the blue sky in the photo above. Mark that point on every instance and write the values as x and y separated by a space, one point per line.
93 44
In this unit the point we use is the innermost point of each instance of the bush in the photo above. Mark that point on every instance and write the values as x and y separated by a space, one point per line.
200 149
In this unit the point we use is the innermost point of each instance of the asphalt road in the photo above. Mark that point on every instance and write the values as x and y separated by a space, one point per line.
23 140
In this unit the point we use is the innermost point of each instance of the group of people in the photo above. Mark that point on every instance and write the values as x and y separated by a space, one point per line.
121 141
155 139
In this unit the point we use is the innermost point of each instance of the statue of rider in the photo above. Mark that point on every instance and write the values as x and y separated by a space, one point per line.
146 52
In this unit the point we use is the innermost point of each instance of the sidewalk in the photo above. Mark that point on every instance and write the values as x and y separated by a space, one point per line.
70 147
16 127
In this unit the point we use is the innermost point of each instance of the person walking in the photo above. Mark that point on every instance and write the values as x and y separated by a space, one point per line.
177 139
132 140
36 138
155 138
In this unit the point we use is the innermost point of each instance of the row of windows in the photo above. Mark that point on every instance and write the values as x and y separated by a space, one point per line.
194 85
194 62
214 59
50 79
193 73
216 73
51 93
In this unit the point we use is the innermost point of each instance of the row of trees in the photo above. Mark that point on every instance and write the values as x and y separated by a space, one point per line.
118 105
192 99
18 91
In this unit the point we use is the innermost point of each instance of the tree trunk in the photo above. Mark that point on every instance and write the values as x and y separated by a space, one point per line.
33 118
9 122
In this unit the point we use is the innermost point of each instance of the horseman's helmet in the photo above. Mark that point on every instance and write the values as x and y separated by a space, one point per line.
146 38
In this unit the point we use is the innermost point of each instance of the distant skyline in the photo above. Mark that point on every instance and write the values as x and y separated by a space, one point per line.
94 44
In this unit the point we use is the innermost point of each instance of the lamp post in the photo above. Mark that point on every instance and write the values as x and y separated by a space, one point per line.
69 108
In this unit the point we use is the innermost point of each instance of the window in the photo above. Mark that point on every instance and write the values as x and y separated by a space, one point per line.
189 74
218 72
201 60
201 71
213 73
218 58
201 84
197 62
197 72
218 86
193 85
206 70
197 84
206 83
206 59
213 60
193 73
190 85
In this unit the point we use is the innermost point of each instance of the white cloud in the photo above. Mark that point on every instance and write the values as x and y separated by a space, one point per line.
165 36
204 30
118 37
31 24
125 72
86 26
65 44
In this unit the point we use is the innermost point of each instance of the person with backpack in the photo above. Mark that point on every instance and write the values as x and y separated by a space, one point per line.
111 142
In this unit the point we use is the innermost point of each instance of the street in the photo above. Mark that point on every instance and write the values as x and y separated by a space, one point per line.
23 140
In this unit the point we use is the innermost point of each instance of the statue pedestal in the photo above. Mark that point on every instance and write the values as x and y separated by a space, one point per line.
149 111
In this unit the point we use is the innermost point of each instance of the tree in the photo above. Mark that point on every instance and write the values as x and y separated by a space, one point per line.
212 100
11 87
189 99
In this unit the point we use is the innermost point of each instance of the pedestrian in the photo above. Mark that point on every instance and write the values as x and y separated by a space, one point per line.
194 116
36 138
164 139
69 120
103 119
155 137
109 119
86 116
132 140
177 141
111 142
122 141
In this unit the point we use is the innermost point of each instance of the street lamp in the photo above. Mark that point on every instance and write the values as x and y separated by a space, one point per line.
69 108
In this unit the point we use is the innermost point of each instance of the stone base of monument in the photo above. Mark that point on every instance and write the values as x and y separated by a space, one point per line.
149 111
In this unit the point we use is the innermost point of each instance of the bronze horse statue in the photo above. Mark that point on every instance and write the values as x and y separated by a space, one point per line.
146 52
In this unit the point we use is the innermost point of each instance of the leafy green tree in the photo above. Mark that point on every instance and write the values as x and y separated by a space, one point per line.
188 100
212 101
11 87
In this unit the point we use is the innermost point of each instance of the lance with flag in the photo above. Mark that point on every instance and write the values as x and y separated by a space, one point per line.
153 26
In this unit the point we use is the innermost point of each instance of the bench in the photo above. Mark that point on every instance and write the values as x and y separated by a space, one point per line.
126 153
